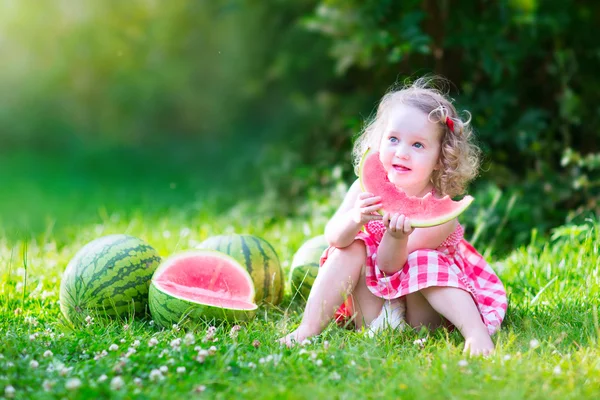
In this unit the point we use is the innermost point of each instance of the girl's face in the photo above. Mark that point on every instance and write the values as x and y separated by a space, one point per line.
410 149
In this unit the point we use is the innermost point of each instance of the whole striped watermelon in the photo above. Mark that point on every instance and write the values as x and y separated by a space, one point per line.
200 285
305 266
109 276
260 260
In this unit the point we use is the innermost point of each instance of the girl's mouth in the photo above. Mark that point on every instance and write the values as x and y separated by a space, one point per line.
400 168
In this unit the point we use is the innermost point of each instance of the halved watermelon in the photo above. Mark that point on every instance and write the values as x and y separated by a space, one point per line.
201 284
423 211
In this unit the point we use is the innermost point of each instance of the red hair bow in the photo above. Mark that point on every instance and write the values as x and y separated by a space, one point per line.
450 123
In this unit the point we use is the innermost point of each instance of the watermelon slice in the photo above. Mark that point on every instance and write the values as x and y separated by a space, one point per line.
423 211
201 284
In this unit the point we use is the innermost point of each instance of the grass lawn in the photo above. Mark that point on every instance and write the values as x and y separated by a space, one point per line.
548 347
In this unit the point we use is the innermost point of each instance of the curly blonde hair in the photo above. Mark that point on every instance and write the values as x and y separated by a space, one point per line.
459 156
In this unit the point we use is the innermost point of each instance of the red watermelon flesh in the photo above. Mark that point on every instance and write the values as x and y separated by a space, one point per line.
208 278
423 211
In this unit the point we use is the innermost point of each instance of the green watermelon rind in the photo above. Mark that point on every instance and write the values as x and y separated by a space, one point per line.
302 279
420 223
249 251
108 278
168 309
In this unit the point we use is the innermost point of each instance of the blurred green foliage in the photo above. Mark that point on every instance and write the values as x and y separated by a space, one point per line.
265 97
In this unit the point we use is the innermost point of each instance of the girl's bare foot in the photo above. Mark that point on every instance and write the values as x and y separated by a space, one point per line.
298 336
479 344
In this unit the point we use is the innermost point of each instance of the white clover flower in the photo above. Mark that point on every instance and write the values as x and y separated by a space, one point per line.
45 294
171 361
234 331
117 383
189 339
335 376
305 342
200 359
176 328
47 385
251 365
313 355
261 360
89 320
155 375
113 347
123 340
152 342
533 343
302 351
162 353
164 369
352 363
33 337
212 350
137 381
203 353
420 342
181 370
319 362
151 323
175 343
506 357
326 345
200 389
463 363
9 392
63 371
34 364
48 353
73 384
135 343
557 370
126 327
102 378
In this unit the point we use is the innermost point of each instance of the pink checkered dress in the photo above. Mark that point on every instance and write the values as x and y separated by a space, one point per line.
455 263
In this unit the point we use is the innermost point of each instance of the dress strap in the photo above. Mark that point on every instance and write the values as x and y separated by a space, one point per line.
455 237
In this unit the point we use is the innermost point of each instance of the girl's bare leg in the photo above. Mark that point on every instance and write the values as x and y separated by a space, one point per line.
420 313
458 307
365 304
336 280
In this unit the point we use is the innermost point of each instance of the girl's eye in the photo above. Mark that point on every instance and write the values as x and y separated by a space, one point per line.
394 139
418 145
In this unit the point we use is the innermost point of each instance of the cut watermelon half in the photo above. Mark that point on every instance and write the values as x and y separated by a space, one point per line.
423 211
201 284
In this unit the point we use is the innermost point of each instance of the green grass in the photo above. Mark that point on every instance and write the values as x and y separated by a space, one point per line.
548 347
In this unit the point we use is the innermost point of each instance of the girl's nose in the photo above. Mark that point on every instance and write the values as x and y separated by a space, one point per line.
402 151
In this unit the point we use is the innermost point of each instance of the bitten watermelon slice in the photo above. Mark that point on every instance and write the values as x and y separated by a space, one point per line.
201 285
423 211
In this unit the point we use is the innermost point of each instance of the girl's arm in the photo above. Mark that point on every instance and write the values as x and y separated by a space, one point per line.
398 243
355 211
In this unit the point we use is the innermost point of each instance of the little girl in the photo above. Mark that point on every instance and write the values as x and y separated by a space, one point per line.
390 272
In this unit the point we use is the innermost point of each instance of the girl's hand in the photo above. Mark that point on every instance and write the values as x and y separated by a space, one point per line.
365 207
397 225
